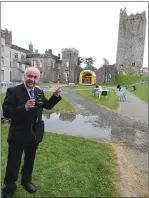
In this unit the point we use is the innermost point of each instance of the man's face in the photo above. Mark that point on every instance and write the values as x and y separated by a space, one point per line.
31 78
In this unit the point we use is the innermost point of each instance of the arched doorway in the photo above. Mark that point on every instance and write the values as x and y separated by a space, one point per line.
87 77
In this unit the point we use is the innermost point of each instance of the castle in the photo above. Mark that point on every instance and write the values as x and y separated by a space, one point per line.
131 41
129 59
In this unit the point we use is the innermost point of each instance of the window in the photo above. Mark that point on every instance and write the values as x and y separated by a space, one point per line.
67 64
2 60
22 57
10 63
53 64
33 63
2 48
121 65
133 64
16 56
10 54
40 63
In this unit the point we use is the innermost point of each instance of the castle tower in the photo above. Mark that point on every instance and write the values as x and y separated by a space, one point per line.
31 47
7 35
131 40
69 63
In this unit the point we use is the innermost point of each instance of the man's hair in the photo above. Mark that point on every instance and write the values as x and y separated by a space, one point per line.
30 69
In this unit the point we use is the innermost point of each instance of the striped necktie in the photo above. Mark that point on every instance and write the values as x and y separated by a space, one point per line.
31 93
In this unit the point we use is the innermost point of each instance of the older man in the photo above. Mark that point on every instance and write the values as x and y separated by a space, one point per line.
23 104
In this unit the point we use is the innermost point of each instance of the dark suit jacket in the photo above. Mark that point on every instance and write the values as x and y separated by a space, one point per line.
22 120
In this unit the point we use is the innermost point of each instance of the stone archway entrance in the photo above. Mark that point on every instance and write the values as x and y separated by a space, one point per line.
87 77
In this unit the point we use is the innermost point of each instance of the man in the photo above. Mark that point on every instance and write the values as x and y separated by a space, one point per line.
23 104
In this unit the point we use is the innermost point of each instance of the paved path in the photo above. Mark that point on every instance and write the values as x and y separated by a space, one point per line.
134 109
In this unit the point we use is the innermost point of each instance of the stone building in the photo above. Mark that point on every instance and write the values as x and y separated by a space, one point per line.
13 58
66 67
131 40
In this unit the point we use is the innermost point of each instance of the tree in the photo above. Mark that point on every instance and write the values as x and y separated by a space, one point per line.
106 62
106 71
87 61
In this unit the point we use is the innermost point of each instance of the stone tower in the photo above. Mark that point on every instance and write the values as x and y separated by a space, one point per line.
30 47
69 63
131 40
7 35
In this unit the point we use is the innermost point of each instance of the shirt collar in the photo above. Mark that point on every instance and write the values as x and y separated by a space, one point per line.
28 89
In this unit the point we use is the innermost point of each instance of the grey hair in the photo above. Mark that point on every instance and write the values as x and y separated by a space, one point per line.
31 68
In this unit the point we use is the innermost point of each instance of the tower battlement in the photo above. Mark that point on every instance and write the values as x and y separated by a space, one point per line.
7 35
70 50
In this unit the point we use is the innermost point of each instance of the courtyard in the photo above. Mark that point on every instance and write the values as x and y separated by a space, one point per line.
125 131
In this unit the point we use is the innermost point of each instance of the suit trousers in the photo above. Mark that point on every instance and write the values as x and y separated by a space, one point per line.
15 152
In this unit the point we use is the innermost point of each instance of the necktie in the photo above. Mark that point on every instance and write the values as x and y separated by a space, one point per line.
32 96
31 93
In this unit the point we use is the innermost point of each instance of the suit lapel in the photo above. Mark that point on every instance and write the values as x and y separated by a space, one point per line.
36 92
24 93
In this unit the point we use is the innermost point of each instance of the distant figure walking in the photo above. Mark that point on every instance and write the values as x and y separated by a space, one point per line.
134 88
119 87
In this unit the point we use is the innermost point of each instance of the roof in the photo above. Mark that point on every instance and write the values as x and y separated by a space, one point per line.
19 48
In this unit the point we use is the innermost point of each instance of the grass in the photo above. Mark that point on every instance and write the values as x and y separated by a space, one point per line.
126 80
68 166
111 102
45 83
79 87
63 105
141 91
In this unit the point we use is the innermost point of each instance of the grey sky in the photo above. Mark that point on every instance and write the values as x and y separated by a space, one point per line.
90 27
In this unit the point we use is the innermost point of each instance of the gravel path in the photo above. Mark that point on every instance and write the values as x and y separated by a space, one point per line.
135 109
129 130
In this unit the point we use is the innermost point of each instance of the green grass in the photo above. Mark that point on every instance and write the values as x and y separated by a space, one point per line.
45 84
68 166
141 91
63 105
126 80
79 87
111 102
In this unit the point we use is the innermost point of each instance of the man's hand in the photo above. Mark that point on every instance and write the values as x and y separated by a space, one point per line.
58 91
30 104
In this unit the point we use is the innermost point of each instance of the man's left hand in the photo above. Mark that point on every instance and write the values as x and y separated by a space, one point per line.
58 91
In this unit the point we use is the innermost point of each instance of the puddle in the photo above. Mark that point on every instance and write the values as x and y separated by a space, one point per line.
92 126
74 124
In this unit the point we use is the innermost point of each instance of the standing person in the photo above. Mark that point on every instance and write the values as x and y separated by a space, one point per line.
23 104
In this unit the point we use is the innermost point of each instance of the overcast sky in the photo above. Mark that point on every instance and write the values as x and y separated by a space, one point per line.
91 28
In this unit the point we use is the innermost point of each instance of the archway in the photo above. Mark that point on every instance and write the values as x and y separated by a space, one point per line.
87 77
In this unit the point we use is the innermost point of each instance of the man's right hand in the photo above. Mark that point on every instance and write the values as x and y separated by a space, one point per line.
30 104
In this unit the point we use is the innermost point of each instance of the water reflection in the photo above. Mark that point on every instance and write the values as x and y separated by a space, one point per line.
67 116
74 124
92 127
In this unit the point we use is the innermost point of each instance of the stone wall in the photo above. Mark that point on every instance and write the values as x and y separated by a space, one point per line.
69 63
131 40
106 74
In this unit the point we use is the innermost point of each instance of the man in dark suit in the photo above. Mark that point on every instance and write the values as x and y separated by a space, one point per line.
24 104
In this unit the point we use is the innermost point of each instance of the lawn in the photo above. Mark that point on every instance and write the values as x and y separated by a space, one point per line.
128 80
68 166
79 87
111 102
63 105
141 91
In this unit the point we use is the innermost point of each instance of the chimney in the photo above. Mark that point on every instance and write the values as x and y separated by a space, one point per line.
49 51
59 56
